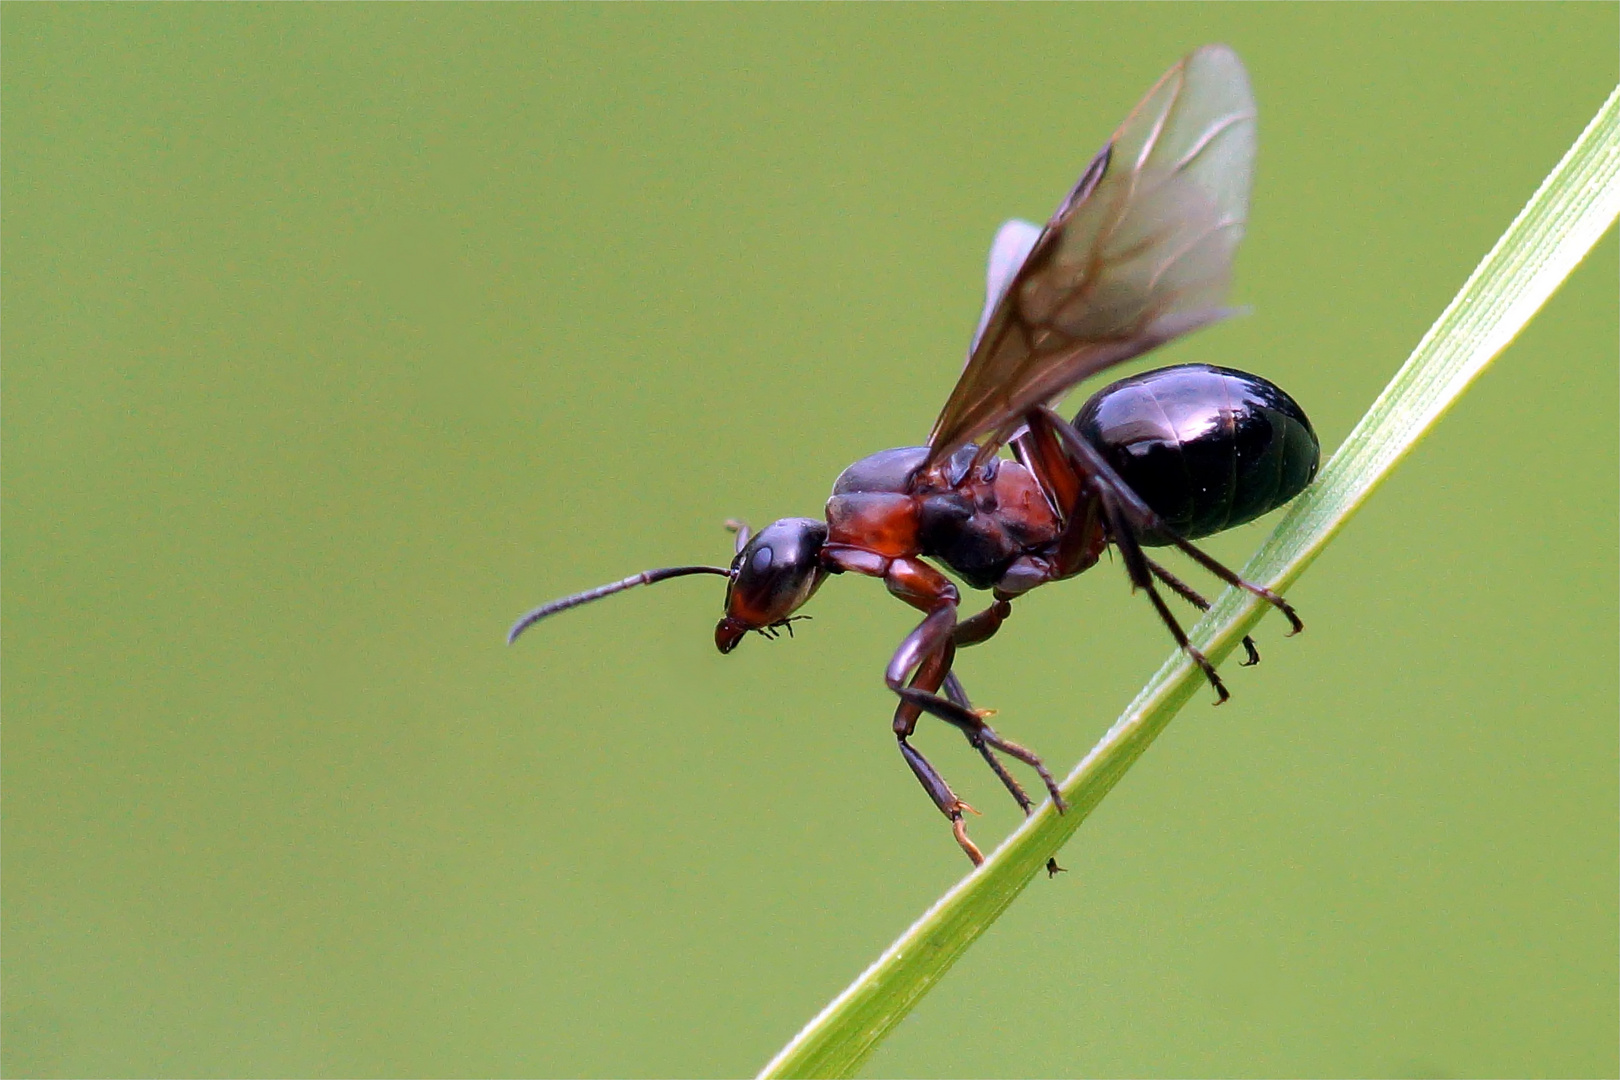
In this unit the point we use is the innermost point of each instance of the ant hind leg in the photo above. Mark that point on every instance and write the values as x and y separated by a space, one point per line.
1191 595
1129 507
1136 566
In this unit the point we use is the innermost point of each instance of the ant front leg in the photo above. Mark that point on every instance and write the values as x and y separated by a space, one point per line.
935 672
927 650
924 587
922 664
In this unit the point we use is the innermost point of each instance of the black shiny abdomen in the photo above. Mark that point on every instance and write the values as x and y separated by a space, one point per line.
1207 448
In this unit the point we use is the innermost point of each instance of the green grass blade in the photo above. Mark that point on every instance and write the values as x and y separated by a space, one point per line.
1573 208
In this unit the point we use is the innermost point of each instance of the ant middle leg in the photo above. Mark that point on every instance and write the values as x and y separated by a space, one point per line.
972 724
983 738
955 694
983 626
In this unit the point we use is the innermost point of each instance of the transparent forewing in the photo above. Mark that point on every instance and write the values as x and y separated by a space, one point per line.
1139 252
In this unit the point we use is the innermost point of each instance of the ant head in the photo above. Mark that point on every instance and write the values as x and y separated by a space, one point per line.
772 576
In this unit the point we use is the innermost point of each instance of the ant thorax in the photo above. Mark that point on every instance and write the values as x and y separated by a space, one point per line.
975 520
991 517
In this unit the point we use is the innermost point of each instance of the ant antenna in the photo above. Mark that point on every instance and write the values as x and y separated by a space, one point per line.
646 577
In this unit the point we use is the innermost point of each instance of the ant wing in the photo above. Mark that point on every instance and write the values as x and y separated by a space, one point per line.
1139 253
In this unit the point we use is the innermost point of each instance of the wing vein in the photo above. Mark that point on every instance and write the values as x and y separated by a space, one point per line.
1208 137
1177 255
1150 143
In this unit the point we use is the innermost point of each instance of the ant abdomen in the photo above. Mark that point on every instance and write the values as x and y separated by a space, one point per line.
1207 448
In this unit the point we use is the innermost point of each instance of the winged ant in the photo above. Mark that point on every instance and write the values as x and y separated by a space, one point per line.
1138 254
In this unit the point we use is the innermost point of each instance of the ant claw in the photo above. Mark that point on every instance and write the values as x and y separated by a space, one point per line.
959 829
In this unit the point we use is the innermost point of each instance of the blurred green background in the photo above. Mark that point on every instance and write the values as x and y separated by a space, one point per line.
337 336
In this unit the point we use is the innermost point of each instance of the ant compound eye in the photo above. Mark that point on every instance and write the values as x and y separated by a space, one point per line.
761 560
776 572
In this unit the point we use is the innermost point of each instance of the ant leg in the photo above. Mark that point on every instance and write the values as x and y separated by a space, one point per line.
931 674
971 722
1130 506
926 655
935 671
1136 565
1189 594
1082 534
983 626
927 652
955 694
943 797
932 635
933 632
